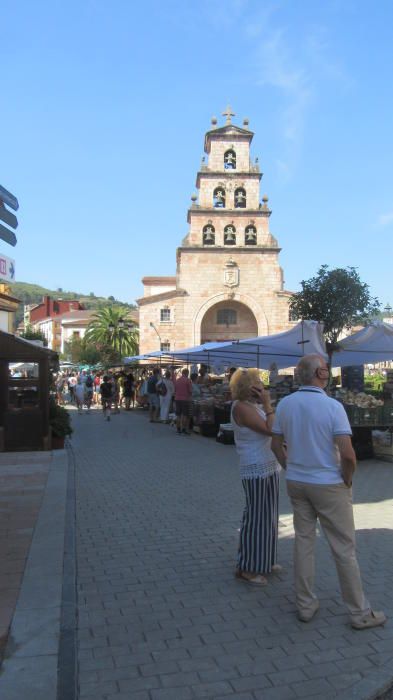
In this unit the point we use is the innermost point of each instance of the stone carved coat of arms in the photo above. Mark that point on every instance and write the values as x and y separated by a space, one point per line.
231 274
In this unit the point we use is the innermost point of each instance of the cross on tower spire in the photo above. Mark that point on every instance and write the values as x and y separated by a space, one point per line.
228 114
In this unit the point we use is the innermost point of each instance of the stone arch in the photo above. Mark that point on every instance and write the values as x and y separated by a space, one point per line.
261 321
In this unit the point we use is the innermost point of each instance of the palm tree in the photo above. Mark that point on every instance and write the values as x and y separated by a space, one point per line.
110 328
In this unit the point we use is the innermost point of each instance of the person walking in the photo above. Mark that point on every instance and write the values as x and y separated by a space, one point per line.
252 419
129 391
183 395
97 384
153 397
89 391
312 442
106 391
79 392
166 389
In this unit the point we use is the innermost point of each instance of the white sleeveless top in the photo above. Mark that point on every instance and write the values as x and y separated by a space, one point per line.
255 456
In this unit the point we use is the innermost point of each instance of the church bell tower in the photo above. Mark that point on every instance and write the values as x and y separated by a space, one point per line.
228 213
229 283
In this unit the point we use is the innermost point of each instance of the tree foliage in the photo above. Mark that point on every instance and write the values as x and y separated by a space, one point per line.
107 330
30 334
78 351
337 298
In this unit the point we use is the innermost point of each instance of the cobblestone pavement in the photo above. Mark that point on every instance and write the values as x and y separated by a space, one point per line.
161 616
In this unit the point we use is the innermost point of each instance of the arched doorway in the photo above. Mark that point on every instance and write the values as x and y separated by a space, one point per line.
228 320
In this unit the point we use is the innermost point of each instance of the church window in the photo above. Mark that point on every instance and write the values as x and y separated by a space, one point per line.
226 317
165 314
165 347
230 160
250 237
219 198
240 198
229 235
209 235
292 316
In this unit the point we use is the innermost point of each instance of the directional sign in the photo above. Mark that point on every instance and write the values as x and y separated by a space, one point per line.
8 217
7 235
7 268
9 198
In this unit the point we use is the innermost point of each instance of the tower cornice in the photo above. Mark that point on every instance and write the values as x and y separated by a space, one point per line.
230 175
227 133
231 250
230 213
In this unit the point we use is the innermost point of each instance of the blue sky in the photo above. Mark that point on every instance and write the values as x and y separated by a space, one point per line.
104 110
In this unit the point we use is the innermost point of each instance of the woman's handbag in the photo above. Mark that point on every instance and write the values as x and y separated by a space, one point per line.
161 389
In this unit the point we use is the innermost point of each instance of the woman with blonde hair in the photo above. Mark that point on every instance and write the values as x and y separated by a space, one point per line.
252 419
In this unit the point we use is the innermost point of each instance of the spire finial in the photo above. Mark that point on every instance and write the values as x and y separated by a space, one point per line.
228 114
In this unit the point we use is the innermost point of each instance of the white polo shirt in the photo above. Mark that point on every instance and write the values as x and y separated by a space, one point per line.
309 421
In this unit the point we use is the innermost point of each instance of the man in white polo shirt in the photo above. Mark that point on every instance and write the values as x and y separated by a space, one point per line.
312 441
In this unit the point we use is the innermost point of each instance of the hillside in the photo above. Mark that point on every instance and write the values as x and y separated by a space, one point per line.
33 293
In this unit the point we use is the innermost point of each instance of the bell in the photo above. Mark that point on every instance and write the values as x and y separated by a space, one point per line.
209 237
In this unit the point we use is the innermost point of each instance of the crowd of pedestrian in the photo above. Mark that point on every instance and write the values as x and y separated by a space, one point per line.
86 390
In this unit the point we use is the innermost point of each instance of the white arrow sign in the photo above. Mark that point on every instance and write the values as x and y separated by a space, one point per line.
7 268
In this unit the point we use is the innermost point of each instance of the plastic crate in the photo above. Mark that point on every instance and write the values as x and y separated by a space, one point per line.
365 416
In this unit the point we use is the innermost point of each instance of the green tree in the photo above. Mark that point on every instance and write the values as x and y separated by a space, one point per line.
337 298
30 334
79 351
109 328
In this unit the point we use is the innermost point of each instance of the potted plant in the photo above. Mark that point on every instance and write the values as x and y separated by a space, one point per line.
60 423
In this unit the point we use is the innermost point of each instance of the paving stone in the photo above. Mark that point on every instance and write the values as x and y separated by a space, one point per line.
211 690
167 694
284 692
251 682
158 591
319 686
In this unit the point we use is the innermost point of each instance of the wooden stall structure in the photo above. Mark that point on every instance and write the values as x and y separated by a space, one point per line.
24 394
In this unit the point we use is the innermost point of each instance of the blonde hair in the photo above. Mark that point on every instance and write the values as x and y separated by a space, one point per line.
241 382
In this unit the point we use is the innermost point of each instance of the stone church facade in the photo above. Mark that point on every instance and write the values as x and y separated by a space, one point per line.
228 283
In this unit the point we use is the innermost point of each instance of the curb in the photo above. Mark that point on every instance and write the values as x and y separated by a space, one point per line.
31 657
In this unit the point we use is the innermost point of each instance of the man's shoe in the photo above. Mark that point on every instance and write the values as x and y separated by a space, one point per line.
375 618
308 616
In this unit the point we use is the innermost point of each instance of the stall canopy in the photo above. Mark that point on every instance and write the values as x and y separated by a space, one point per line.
369 345
284 349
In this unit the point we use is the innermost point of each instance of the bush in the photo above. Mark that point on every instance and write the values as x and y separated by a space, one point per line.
59 420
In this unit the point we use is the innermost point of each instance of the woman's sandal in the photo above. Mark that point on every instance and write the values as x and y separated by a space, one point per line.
252 579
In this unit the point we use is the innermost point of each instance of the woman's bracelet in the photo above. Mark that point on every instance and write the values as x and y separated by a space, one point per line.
269 413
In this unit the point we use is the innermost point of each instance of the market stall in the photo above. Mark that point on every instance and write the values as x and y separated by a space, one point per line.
284 349
24 394
367 414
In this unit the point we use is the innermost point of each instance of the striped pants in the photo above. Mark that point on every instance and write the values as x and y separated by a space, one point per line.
259 529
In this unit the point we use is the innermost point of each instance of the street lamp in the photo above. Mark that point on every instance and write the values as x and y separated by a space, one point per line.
111 327
388 310
121 323
154 328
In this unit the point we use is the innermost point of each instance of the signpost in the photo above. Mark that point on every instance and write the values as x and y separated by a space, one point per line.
7 216
9 198
7 268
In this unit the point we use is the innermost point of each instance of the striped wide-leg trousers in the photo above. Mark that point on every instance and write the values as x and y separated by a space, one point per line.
259 529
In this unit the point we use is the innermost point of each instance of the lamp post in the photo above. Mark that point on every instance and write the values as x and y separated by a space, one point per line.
388 311
155 329
159 337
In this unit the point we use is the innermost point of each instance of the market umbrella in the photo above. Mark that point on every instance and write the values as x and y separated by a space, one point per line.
374 343
284 349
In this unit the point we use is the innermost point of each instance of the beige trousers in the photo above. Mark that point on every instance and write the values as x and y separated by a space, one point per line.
332 505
